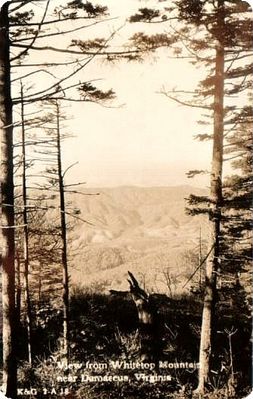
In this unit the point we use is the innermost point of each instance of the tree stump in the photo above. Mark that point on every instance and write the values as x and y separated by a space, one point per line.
147 317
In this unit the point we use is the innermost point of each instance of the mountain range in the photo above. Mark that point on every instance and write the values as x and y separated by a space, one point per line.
142 229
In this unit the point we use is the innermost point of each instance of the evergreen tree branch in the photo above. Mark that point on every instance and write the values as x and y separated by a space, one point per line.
23 3
250 54
187 43
62 32
47 64
89 53
47 93
53 21
56 87
35 35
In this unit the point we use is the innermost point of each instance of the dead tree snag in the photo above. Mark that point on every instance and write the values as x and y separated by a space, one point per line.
147 316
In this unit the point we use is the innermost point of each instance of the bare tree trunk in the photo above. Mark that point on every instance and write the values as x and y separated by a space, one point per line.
200 260
7 219
215 216
26 238
39 286
64 242
18 289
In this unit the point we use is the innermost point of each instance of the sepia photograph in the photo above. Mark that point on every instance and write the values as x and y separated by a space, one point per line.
126 199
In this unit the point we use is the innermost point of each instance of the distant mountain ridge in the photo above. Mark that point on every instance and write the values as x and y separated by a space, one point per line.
132 228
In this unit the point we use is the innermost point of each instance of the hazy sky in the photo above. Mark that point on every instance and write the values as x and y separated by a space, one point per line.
146 139
149 139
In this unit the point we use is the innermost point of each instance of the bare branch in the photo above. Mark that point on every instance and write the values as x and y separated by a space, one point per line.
63 32
36 34
53 21
69 167
90 53
75 184
56 86
23 3
47 64
32 73
79 218
187 104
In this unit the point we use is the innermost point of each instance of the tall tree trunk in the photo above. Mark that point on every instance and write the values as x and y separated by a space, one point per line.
7 220
64 242
39 286
18 288
200 260
26 238
215 211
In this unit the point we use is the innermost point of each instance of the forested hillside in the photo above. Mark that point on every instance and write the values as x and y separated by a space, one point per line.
145 230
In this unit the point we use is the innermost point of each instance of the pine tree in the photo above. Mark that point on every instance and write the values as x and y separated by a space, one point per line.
216 35
20 30
7 215
237 218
